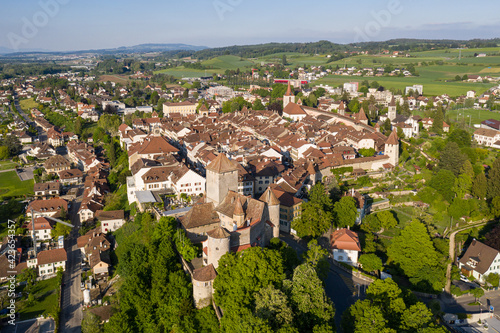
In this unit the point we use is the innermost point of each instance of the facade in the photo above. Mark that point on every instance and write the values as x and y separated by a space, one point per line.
47 189
392 148
56 163
183 108
49 261
110 220
43 229
289 96
487 137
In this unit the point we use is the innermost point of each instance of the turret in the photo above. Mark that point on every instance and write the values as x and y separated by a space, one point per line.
273 206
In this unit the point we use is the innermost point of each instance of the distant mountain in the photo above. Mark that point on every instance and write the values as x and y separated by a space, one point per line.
4 50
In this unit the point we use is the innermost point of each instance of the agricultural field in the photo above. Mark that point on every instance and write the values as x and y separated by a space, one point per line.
228 62
181 72
28 104
12 186
120 79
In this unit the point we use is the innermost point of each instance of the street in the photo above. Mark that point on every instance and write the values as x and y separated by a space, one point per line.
71 311
461 304
340 286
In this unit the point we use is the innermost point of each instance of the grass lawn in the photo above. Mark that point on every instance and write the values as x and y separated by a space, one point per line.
477 116
28 104
45 299
6 165
181 72
11 185
228 62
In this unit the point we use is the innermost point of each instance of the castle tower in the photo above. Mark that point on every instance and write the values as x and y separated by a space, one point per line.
362 117
392 148
289 96
273 206
391 113
218 243
342 108
238 214
222 176
203 279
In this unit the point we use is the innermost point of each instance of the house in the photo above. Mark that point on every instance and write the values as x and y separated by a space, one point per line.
51 207
47 189
56 163
479 260
294 111
43 228
290 207
71 176
95 246
183 108
487 137
49 261
345 246
110 220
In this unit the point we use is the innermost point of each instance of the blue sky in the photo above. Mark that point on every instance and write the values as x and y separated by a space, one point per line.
88 24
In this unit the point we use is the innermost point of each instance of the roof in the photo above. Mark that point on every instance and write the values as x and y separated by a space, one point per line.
205 274
110 215
52 256
47 186
221 164
345 239
145 196
479 257
48 206
71 173
200 215
492 123
269 197
218 233
56 161
293 109
362 115
289 90
103 312
393 139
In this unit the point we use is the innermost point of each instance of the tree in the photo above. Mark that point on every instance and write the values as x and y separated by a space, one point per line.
363 316
313 222
28 275
91 323
462 185
437 122
493 279
443 182
494 179
119 322
413 251
284 60
477 292
387 219
495 206
4 153
257 105
416 317
370 262
345 212
461 137
272 305
111 153
312 305
371 223
316 256
78 126
366 152
479 186
60 230
451 158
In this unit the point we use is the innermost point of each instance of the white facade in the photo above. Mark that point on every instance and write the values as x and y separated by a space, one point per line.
348 256
51 268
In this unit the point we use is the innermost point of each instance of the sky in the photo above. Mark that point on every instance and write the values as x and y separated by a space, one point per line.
65 25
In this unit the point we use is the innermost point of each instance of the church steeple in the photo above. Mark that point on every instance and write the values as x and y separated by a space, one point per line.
289 96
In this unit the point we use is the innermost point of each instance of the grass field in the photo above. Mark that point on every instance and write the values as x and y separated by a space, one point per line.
228 62
181 72
6 165
476 115
28 104
121 79
45 299
12 186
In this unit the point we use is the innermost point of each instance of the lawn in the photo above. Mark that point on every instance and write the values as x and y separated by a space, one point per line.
228 62
6 165
45 299
181 72
12 186
28 104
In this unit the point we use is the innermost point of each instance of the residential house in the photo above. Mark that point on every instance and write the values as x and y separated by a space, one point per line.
56 163
345 246
479 261
47 189
110 220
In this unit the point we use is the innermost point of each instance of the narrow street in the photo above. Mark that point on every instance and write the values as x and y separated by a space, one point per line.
71 311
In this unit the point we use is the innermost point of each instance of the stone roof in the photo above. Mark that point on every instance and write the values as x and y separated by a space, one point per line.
110 215
221 164
269 197
393 139
200 215
218 233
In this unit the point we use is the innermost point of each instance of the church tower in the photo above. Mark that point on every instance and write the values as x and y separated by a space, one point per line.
273 206
289 96
341 110
391 113
392 148
222 177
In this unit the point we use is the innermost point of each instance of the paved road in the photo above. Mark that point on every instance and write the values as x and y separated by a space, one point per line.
340 286
21 112
71 311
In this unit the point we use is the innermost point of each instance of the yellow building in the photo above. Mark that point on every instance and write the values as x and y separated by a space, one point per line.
183 108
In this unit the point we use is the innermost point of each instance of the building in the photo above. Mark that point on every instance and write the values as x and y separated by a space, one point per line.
183 108
290 207
418 88
47 189
43 229
203 280
345 246
49 261
392 148
479 260
56 163
71 177
487 137
51 207
110 220
294 112
289 96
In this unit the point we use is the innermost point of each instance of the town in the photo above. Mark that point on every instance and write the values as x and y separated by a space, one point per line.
283 196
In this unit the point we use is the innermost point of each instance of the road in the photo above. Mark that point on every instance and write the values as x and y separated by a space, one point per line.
340 286
71 311
21 112
461 304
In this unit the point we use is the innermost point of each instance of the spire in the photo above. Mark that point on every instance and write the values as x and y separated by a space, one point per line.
238 207
270 198
393 139
289 90
221 164
341 106
362 115
393 102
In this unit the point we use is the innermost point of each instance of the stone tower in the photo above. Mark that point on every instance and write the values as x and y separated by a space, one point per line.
222 176
362 117
218 243
239 213
392 148
341 109
273 207
289 96
391 113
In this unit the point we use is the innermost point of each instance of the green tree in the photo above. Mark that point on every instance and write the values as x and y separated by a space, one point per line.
362 317
387 219
345 212
451 158
461 137
371 223
272 305
443 182
60 230
479 186
316 256
91 323
119 322
370 262
416 317
462 185
28 275
284 60
367 152
313 222
312 306
495 206
4 153
494 179
257 105
413 250
437 123
477 292
78 126
493 279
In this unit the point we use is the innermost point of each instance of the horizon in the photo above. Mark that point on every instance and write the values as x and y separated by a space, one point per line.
67 25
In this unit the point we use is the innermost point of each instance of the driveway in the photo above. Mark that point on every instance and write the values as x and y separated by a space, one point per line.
71 310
